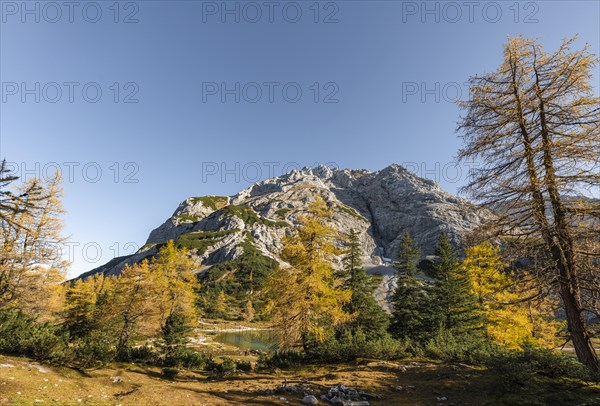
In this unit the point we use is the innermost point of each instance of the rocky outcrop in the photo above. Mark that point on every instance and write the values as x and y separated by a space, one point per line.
381 206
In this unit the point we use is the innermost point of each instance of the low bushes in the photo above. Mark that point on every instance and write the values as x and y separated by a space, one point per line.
282 359
519 367
227 367
351 346
22 335
471 348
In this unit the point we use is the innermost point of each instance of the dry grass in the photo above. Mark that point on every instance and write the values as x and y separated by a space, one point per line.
25 382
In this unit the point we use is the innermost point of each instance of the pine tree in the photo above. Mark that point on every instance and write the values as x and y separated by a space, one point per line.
458 307
175 336
367 315
411 314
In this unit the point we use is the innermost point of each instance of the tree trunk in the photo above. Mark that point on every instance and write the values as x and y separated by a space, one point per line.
577 327
562 247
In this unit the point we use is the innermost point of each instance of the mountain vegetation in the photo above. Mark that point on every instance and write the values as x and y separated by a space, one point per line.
350 266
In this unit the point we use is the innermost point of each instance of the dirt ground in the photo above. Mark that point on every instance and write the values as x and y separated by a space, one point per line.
24 382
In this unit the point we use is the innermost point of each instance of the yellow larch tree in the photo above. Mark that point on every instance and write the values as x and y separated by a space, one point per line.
174 283
507 320
306 302
88 304
31 265
134 306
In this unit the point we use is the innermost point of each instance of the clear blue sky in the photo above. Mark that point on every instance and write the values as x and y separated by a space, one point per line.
377 59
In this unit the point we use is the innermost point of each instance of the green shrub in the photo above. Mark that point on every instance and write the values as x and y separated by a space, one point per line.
187 218
250 217
512 371
248 272
14 330
226 368
245 366
553 364
349 347
470 348
282 359
48 344
22 335
184 357
349 210
144 354
228 365
282 212
170 372
202 240
213 202
94 350
518 367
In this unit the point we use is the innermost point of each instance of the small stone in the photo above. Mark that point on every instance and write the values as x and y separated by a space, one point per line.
310 400
442 399
336 400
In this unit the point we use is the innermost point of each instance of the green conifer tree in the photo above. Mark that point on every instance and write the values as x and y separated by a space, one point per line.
457 305
412 315
368 316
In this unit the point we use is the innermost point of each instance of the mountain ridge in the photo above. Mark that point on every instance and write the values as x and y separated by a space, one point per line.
379 205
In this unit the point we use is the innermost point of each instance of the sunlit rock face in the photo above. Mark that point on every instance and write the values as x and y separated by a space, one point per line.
381 206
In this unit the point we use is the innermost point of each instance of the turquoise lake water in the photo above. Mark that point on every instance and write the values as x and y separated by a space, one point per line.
247 340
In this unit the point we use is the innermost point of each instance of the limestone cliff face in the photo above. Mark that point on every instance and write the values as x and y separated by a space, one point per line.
381 206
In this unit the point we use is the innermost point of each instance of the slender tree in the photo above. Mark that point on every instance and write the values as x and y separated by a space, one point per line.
86 308
458 307
534 125
221 306
412 312
134 307
175 336
367 315
507 320
174 283
250 312
13 203
31 267
305 303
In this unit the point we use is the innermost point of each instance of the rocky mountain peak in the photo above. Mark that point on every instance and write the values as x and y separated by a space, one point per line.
381 206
